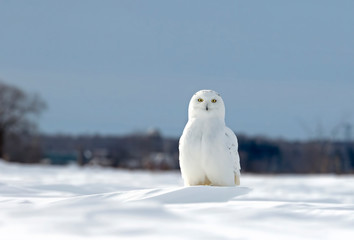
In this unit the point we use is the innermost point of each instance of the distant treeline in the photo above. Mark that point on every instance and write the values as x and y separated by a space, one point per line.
153 151
19 143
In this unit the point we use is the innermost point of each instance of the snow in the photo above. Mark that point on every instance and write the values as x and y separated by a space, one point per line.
46 202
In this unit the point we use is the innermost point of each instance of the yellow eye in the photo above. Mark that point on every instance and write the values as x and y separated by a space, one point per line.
213 101
200 100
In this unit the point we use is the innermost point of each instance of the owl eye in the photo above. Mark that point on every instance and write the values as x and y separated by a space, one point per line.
213 100
200 100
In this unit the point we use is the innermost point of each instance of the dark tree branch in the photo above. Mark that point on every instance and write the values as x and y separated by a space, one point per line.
17 110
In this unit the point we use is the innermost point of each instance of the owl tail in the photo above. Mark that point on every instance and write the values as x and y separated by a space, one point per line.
237 179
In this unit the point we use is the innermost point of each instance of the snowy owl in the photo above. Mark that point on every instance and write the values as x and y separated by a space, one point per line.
208 150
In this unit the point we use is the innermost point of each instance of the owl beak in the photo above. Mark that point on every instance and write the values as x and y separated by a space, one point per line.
207 108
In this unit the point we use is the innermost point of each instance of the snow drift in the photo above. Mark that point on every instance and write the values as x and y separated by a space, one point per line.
56 202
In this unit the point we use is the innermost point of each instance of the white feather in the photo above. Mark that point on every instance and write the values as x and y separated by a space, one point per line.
208 149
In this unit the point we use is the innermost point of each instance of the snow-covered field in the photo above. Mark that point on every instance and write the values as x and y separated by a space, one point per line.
42 202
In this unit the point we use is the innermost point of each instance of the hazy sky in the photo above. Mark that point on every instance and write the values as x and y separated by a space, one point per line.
284 68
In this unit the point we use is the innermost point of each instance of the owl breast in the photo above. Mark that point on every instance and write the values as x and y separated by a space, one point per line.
203 155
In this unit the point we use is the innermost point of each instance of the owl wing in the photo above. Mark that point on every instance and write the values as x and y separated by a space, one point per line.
232 147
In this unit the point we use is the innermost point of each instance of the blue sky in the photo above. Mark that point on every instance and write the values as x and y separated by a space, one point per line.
284 68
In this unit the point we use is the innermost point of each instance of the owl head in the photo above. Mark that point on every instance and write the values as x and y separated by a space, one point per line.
206 104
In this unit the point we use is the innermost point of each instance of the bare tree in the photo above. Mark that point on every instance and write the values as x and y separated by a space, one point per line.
18 110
